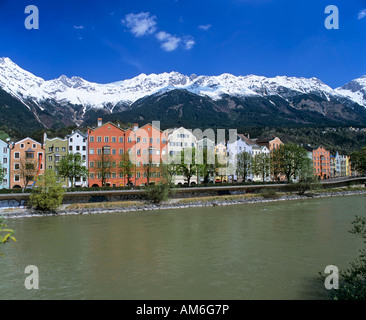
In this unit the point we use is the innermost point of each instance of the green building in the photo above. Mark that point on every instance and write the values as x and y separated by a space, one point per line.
56 149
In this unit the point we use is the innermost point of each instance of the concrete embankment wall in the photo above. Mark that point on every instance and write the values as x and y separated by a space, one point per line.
21 199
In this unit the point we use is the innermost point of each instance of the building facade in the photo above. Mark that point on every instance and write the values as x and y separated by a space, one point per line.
78 143
321 163
55 150
5 164
241 144
27 163
120 157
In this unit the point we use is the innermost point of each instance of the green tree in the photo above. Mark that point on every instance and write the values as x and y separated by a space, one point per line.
126 167
103 168
262 165
352 281
5 234
358 161
188 165
72 167
244 165
292 159
48 194
2 175
157 192
206 166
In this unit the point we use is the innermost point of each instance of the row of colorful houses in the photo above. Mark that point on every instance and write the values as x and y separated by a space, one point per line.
145 146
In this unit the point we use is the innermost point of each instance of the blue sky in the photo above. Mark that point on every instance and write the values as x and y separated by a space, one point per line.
110 40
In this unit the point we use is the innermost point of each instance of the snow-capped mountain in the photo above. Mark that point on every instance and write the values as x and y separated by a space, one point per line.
355 90
75 90
72 100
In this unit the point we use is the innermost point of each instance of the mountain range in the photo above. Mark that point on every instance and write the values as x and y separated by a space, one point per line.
28 102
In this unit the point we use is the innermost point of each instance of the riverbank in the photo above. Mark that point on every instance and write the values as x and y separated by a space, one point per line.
140 205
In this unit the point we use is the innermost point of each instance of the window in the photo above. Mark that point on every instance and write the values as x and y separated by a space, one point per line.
63 149
114 176
120 151
16 166
84 148
121 175
99 151
50 149
120 139
91 151
138 139
5 149
114 139
91 164
106 150
70 148
77 148
49 158
99 139
22 146
157 140
57 149
151 140
29 155
16 178
114 151
70 140
106 139
129 139
16 155
163 140
91 139
144 140
91 175
138 175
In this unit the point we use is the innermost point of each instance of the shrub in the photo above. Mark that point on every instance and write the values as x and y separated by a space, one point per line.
157 192
270 194
48 193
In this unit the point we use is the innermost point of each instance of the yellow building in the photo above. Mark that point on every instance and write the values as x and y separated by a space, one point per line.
222 163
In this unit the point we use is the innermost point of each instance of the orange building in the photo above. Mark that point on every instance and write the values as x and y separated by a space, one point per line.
271 143
26 163
111 146
321 162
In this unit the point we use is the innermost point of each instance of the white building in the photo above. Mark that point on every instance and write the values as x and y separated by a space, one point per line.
241 144
5 164
179 139
77 143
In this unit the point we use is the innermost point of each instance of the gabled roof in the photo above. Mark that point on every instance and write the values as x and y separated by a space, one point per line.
246 139
77 131
20 141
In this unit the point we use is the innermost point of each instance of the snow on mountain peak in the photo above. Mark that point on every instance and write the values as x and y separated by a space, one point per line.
76 90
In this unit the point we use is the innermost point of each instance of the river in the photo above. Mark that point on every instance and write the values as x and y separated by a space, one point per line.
253 251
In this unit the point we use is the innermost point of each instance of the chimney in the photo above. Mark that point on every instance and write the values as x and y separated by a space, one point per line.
100 122
135 126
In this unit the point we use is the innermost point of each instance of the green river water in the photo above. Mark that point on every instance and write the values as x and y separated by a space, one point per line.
268 250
